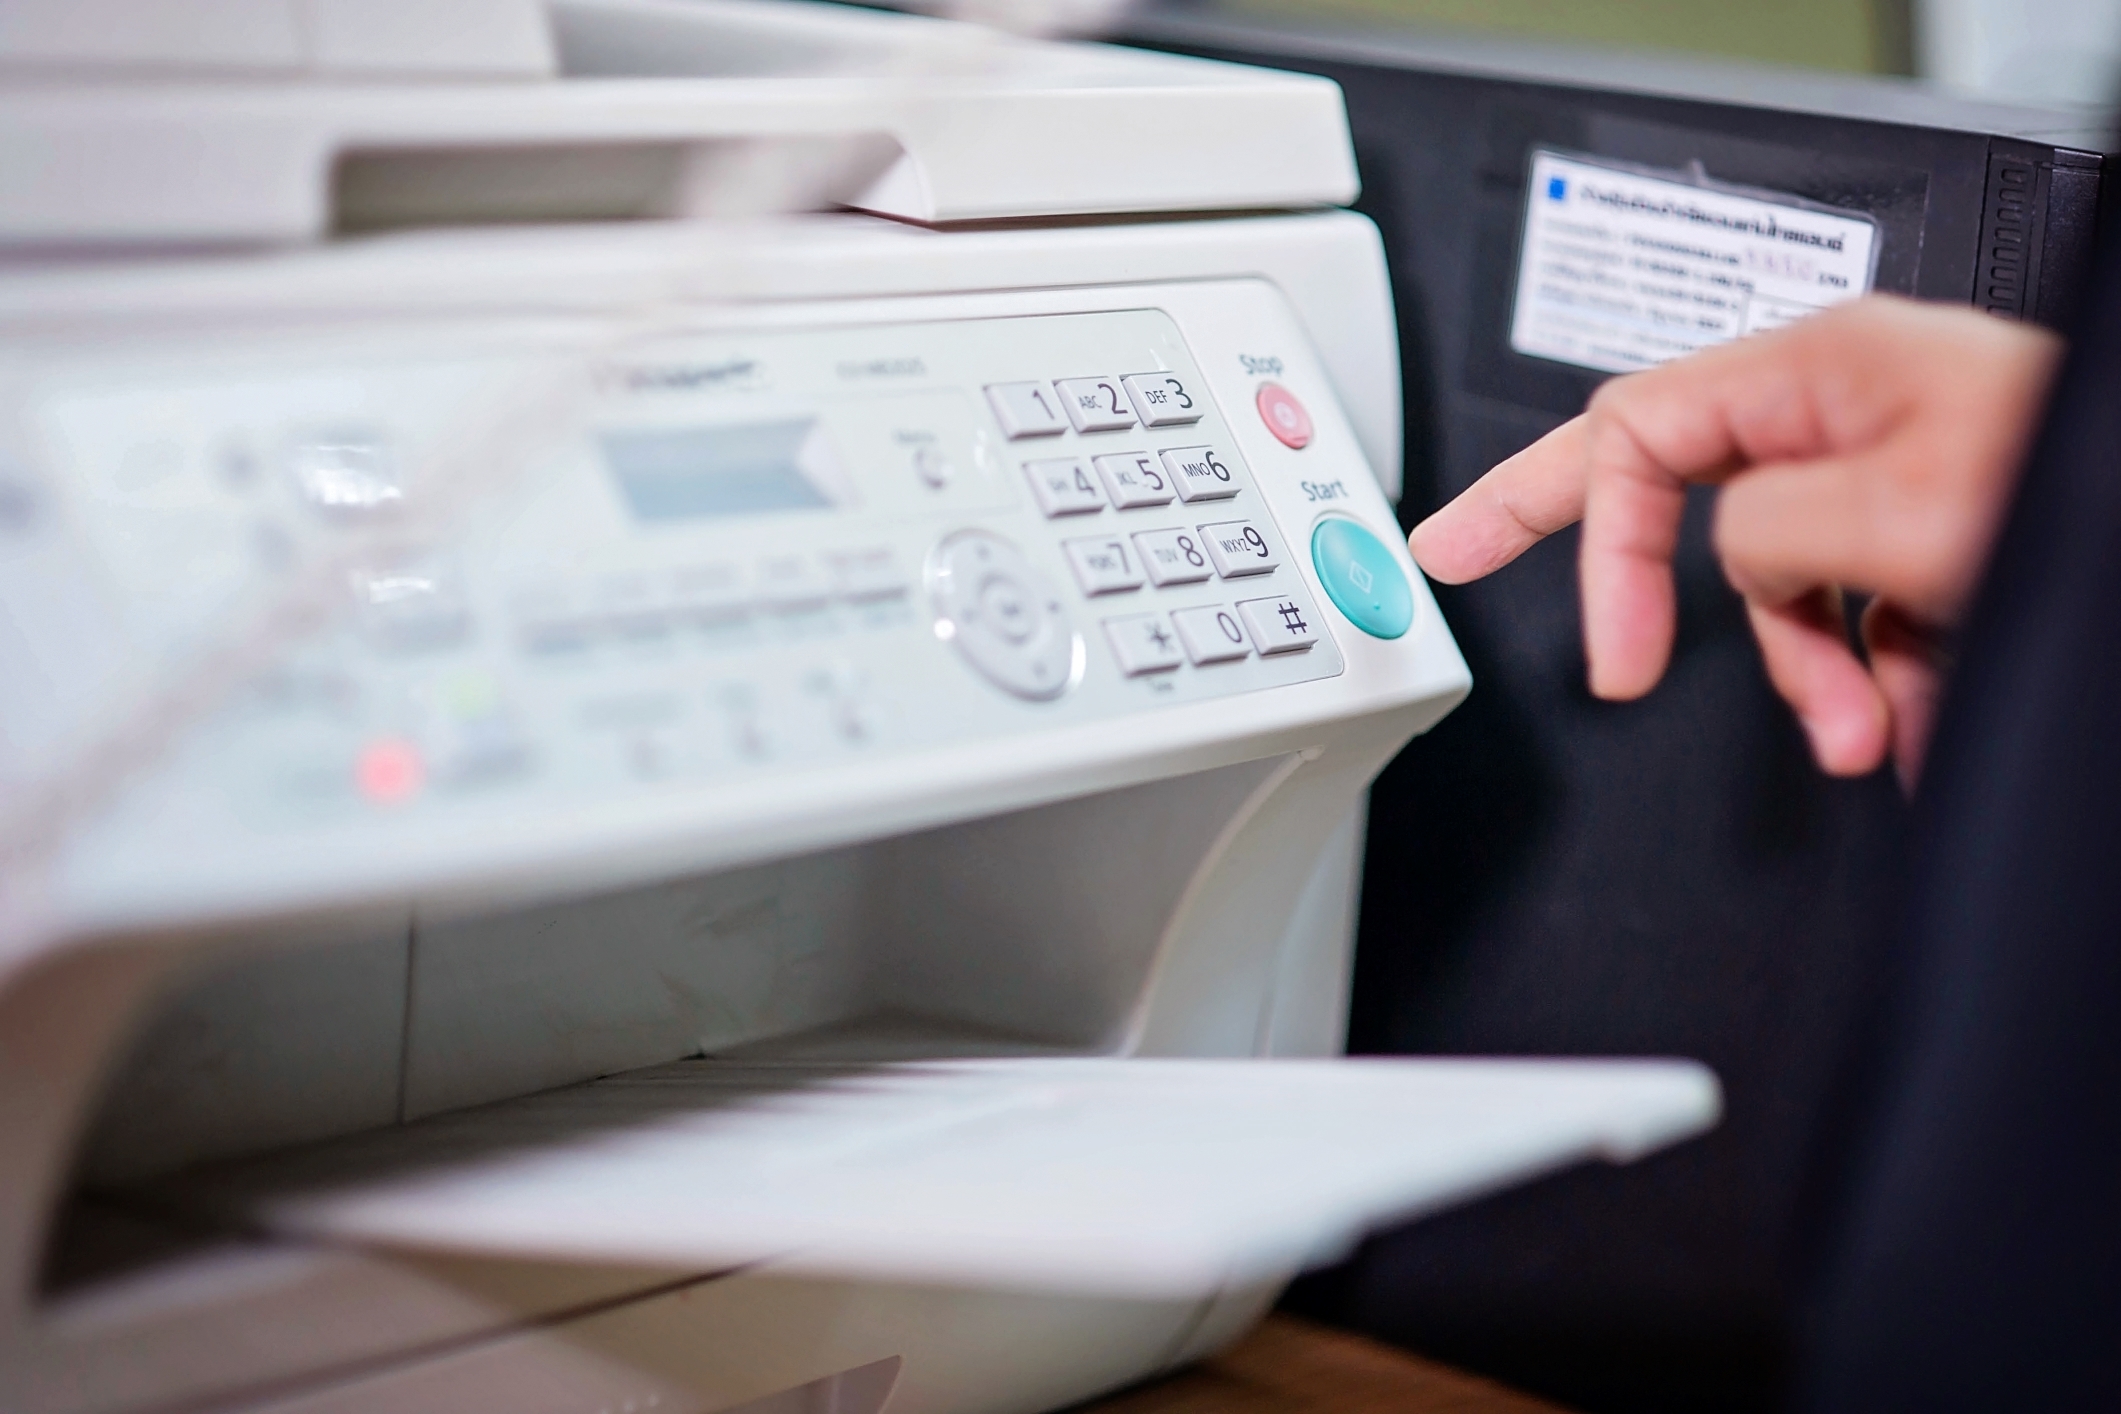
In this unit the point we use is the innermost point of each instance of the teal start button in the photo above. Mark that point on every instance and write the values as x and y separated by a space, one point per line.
1362 578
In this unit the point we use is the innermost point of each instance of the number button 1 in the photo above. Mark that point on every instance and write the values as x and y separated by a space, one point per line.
1096 404
1134 479
1173 556
1162 399
1026 410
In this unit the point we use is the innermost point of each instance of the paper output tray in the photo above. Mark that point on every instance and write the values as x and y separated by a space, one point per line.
1137 1177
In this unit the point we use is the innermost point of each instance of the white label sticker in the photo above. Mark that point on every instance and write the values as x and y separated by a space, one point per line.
1621 271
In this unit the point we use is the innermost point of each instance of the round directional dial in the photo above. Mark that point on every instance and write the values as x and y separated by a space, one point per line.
1003 616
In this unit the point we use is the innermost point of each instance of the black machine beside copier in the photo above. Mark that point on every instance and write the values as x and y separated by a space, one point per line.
1671 874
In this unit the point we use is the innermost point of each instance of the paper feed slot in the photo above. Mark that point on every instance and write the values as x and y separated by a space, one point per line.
1093 1175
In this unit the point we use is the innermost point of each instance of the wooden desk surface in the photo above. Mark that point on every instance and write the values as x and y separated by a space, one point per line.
1288 1366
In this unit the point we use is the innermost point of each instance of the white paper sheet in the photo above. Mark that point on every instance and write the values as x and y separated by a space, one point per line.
1140 1177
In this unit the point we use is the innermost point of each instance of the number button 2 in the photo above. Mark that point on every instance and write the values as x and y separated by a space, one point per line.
1096 404
1163 399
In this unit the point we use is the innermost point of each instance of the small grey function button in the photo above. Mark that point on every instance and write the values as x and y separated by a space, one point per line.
1239 549
791 583
1212 635
1162 399
1134 479
1173 556
350 474
1095 404
1287 624
1026 410
709 595
412 610
1143 643
1200 474
1063 487
1102 565
1003 616
863 576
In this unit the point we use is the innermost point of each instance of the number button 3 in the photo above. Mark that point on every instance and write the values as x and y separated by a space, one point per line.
1162 399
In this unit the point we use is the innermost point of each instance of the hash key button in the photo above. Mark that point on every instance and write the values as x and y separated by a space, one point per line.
1283 625
1239 549
1143 643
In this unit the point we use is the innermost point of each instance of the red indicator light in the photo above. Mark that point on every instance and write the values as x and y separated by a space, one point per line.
389 771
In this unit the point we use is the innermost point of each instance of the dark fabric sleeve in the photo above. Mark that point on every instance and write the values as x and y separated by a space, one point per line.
1977 1264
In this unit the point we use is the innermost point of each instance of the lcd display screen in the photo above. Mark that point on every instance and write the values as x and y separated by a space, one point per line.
708 473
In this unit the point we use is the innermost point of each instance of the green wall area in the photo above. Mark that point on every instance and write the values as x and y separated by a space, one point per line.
1865 36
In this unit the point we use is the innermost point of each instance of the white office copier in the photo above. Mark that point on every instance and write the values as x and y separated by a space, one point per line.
685 690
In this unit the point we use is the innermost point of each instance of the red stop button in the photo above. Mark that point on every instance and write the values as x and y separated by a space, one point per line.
1285 417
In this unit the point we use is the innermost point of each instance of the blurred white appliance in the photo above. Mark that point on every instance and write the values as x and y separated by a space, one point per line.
614 801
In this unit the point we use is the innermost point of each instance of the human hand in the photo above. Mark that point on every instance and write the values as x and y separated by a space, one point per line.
1871 447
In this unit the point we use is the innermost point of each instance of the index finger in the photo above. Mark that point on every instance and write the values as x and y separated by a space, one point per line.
1518 503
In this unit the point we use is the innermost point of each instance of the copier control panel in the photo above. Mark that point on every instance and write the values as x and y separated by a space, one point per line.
751 551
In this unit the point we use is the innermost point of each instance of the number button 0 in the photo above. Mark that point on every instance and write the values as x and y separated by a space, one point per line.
1162 399
1063 487
1026 410
1134 479
1200 474
1212 635
1173 556
1096 404
1239 549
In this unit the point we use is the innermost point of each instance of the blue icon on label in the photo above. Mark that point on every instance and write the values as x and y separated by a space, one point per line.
1557 188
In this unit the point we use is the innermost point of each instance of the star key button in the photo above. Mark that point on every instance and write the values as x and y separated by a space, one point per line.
1144 643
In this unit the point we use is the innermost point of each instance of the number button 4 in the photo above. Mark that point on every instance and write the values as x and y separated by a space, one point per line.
1134 479
1162 399
1095 404
1063 487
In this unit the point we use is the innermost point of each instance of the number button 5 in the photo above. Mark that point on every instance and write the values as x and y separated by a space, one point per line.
1134 479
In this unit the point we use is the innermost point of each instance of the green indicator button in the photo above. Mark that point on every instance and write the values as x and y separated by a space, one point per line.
1362 578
